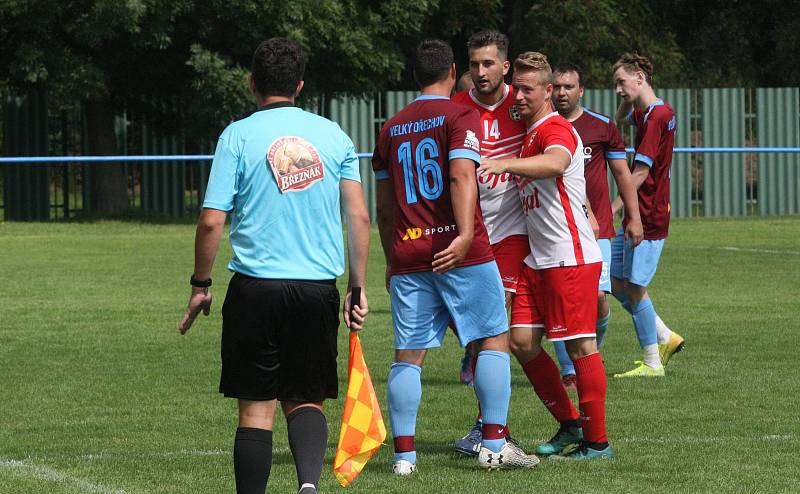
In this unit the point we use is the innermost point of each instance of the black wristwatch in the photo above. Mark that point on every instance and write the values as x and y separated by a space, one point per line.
199 283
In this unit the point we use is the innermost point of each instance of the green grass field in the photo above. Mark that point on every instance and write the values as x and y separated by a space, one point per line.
100 394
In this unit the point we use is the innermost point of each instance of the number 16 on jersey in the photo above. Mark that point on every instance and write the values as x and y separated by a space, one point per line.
429 173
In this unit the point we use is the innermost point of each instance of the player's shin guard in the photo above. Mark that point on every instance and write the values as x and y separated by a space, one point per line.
591 381
252 459
493 387
405 392
308 439
563 358
644 320
543 375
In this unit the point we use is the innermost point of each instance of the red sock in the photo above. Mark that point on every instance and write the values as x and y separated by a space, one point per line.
590 375
543 374
404 444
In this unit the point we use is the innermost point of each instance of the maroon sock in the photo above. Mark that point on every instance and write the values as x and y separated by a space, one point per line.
543 374
404 444
590 375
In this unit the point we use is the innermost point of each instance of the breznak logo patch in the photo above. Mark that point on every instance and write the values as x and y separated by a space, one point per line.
295 163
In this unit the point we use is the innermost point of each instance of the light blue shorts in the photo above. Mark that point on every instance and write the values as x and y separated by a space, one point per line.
637 265
605 273
424 303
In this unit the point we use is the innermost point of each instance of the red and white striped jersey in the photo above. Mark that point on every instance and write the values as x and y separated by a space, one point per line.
558 226
502 135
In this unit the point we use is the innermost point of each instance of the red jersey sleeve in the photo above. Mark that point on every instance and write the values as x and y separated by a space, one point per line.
615 146
462 136
653 129
558 136
379 158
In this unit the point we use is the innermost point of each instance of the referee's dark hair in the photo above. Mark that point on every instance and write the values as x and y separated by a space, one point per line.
563 68
432 61
278 66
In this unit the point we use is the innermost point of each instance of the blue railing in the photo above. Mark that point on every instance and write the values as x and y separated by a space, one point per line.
209 157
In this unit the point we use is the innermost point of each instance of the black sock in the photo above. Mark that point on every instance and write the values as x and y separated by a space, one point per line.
252 459
596 446
308 439
569 424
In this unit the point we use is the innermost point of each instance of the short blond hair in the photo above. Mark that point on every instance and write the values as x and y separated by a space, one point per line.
633 62
533 61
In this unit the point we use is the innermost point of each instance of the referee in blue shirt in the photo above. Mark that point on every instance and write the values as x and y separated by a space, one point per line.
284 175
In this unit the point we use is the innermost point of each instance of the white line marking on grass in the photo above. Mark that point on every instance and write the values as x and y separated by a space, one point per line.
41 472
181 453
709 439
759 251
164 454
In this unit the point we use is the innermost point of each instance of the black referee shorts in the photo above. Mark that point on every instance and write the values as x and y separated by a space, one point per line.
279 340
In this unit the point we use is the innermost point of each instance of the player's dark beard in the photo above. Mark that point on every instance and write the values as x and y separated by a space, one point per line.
564 110
490 90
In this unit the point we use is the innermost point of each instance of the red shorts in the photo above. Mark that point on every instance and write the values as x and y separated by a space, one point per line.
562 301
510 254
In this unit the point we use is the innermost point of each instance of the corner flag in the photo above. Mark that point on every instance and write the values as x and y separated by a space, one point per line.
363 430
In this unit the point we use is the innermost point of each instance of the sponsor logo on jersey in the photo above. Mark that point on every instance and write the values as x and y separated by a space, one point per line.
491 180
587 154
671 124
416 233
514 113
472 142
412 233
441 229
295 163
533 136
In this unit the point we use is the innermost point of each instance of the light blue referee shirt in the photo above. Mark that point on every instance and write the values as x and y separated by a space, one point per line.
278 171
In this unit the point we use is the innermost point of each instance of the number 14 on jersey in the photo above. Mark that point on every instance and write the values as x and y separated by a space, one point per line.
491 129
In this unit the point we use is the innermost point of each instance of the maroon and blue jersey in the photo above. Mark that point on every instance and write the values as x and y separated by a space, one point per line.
413 151
601 142
655 137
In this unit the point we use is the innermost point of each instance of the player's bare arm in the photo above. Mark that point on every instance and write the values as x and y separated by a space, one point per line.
355 211
552 163
639 174
591 217
623 111
464 195
384 199
206 243
627 199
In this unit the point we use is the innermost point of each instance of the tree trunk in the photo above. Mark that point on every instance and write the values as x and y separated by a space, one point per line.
109 181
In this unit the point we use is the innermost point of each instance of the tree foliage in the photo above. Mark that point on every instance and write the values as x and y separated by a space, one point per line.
137 54
197 54
593 34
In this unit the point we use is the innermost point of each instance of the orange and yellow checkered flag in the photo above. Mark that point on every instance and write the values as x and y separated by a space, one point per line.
363 430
